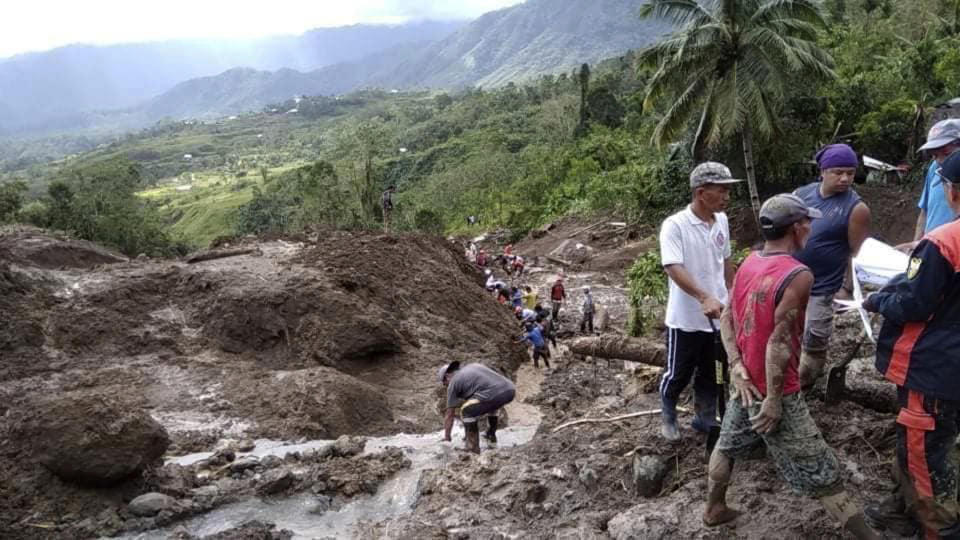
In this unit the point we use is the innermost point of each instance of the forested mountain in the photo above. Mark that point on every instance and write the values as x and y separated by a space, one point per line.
58 89
511 44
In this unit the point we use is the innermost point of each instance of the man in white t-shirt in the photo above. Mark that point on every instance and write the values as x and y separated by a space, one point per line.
695 253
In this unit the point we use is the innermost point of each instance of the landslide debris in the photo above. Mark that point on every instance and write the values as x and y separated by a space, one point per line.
329 335
90 439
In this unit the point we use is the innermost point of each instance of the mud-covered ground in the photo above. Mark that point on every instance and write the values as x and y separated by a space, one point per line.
577 482
337 334
340 334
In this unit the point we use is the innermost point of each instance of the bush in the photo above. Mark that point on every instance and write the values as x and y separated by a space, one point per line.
647 283
885 134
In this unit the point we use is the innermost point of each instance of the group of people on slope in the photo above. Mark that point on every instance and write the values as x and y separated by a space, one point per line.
775 319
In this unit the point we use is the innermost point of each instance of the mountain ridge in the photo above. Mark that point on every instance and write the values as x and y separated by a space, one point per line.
68 83
512 44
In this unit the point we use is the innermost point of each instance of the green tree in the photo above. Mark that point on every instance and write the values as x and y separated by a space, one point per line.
11 199
732 64
584 77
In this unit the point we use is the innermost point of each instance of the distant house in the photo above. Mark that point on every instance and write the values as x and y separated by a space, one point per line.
187 157
291 111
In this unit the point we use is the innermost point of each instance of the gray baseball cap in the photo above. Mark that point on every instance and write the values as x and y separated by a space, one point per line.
785 209
941 134
711 172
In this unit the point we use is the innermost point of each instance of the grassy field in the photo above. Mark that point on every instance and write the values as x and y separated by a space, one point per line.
198 207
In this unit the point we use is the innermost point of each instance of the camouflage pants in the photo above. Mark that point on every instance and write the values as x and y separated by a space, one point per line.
801 455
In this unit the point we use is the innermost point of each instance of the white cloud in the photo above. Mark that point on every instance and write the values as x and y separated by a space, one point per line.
32 25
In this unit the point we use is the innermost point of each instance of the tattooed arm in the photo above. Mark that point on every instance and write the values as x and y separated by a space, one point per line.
742 386
780 349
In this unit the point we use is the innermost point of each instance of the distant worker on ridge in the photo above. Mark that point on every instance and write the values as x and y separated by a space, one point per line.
386 204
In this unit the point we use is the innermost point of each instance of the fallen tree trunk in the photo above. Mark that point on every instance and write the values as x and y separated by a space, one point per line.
640 350
612 419
558 261
219 254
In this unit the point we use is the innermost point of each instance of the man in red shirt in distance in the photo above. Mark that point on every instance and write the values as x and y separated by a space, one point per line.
761 329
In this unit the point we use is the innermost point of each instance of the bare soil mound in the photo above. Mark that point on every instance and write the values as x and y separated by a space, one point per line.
30 246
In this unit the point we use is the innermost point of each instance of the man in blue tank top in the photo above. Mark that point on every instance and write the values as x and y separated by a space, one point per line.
833 241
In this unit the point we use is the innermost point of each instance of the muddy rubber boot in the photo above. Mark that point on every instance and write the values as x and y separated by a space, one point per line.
706 414
669 429
472 437
491 434
890 515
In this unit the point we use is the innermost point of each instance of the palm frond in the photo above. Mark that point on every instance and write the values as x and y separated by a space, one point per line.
675 118
678 12
802 10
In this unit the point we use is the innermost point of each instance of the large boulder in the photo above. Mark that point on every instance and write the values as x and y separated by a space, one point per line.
90 439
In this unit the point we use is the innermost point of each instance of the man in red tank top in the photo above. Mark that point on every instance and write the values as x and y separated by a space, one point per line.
761 329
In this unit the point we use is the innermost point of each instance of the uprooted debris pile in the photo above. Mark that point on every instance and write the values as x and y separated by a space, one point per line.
318 338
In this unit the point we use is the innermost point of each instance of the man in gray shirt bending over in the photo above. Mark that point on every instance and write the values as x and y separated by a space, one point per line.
477 391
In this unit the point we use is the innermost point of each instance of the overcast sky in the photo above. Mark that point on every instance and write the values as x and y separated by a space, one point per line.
37 25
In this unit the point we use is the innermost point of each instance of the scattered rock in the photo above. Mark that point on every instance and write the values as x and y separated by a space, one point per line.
347 446
92 439
270 461
205 492
151 504
275 481
640 523
245 445
647 475
244 463
588 477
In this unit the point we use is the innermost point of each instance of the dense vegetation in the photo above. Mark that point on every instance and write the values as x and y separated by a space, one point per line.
518 155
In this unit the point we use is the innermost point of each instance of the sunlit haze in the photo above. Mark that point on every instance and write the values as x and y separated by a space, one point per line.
36 25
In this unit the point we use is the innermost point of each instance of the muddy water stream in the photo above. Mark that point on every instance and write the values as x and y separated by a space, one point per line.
303 513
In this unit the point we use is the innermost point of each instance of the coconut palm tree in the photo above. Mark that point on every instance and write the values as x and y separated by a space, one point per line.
731 62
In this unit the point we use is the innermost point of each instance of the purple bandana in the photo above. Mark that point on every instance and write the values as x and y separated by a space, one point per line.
834 156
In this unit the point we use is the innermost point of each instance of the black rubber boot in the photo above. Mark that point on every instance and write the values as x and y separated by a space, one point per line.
491 434
891 515
706 414
472 437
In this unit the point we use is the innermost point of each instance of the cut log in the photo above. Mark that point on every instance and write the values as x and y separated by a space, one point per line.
585 229
640 350
219 254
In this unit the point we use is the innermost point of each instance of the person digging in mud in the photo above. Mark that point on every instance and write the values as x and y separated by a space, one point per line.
525 315
918 349
834 240
533 335
529 297
547 329
695 253
476 391
516 297
586 322
516 267
761 329
386 204
503 292
557 296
